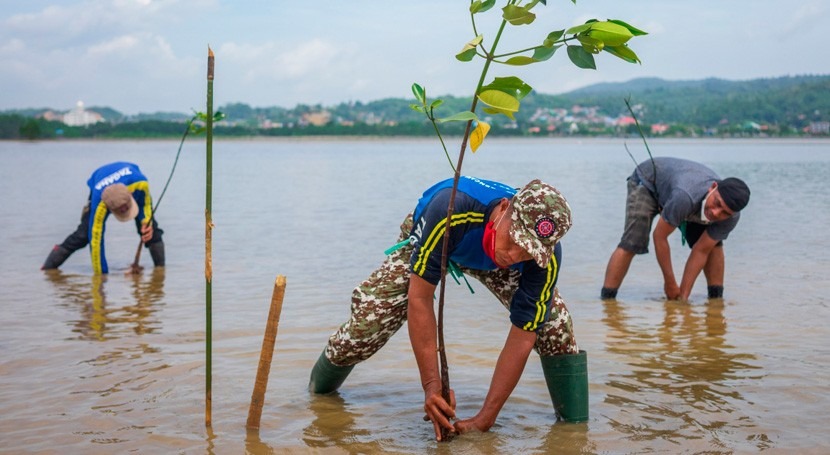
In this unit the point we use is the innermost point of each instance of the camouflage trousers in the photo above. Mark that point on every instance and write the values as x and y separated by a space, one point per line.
379 306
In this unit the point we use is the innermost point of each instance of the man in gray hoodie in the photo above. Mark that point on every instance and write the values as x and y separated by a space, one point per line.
690 197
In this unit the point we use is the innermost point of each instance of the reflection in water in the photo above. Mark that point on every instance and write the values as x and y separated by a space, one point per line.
101 320
681 384
334 425
567 438
254 445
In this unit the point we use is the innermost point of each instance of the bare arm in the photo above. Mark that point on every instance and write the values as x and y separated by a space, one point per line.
423 337
695 263
663 253
509 369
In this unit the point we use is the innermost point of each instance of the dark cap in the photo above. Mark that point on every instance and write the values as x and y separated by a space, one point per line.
734 192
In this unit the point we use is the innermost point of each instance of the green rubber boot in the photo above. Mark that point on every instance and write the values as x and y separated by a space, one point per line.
567 379
327 377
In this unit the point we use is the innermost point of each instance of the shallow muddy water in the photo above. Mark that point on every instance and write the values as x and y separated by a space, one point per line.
116 364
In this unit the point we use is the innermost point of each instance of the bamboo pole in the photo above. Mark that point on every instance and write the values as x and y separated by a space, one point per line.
208 240
266 354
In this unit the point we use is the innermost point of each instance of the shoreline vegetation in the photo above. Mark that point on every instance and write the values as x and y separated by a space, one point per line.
785 107
634 140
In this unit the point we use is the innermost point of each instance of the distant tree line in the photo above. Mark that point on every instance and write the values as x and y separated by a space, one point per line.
787 106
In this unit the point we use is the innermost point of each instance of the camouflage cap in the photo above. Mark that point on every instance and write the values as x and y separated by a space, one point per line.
541 216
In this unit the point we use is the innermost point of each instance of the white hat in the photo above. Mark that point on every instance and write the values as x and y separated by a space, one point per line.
116 196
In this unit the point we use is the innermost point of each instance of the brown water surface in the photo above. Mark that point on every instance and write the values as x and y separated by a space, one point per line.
117 364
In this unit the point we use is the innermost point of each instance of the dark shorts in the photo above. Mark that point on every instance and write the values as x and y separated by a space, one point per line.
693 233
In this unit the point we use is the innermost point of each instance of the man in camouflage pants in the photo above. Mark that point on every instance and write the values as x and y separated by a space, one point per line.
509 241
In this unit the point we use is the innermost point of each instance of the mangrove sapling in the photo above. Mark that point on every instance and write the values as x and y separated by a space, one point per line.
190 128
504 94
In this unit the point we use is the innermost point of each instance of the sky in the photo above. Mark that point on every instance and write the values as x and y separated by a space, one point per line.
145 56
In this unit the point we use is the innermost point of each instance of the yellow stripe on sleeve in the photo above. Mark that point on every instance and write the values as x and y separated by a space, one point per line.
545 296
144 186
437 234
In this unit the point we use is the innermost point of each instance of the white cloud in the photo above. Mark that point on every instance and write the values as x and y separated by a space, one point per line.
118 44
271 53
312 56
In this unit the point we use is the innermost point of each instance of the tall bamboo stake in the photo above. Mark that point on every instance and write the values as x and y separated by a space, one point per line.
266 354
208 239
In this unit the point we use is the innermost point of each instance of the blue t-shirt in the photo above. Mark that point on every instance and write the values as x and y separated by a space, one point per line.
119 172
473 203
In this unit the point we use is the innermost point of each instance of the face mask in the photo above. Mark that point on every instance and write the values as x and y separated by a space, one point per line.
703 208
488 241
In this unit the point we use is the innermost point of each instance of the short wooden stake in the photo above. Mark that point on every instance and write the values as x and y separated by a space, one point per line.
267 353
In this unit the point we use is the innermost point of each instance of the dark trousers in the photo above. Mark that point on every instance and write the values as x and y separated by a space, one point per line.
80 238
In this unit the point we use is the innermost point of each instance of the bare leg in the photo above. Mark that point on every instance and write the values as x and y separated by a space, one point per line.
714 268
714 271
617 268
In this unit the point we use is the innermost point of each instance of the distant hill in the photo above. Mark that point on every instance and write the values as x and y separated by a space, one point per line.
791 105
710 101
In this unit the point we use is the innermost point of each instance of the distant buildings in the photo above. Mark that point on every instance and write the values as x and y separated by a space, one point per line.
818 128
81 117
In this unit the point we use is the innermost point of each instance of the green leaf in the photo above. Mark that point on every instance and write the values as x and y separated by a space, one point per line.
634 30
465 56
519 60
469 50
610 33
495 111
623 52
417 107
464 116
518 15
542 53
578 29
436 103
552 38
581 58
420 93
510 85
591 45
479 6
499 100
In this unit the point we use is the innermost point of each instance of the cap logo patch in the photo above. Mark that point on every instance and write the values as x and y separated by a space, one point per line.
545 227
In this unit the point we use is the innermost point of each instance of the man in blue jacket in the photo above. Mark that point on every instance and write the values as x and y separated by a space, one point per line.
509 241
122 190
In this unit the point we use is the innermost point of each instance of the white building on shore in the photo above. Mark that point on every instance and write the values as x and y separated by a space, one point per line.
81 117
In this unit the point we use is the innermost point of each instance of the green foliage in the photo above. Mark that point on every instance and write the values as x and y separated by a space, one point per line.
503 96
786 105
30 129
